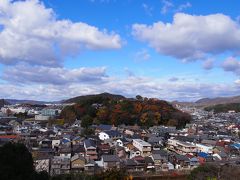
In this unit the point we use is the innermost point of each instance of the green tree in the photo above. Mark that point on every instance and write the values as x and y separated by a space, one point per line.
203 172
86 121
16 163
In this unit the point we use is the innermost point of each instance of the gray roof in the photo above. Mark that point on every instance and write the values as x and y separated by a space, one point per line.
130 162
158 157
161 152
113 133
89 143
182 158
110 158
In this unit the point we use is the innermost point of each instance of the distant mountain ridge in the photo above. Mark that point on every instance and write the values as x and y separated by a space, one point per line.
17 101
211 101
219 100
3 102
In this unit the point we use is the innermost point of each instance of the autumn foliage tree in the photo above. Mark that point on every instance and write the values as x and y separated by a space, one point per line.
143 111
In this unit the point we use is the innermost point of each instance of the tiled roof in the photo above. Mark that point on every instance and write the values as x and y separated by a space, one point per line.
110 158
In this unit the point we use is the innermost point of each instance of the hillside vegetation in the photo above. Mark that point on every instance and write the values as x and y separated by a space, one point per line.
114 109
221 108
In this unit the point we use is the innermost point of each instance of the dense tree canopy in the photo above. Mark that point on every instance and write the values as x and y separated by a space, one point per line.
107 110
16 163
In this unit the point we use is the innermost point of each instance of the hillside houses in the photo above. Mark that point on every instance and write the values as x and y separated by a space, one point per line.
60 149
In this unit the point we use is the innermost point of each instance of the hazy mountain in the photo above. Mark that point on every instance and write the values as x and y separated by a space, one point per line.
210 101
218 100
19 101
3 102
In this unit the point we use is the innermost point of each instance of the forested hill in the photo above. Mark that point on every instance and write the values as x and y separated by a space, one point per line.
95 97
115 109
222 108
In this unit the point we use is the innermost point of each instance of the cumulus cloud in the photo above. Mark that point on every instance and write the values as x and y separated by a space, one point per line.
32 33
208 64
129 86
231 64
191 37
56 76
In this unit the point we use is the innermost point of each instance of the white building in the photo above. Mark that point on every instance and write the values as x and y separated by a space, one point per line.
181 147
112 134
205 148
144 147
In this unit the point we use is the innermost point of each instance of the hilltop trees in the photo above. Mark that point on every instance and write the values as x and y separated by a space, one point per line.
111 110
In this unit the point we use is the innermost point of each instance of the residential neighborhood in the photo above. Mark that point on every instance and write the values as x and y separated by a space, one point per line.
63 149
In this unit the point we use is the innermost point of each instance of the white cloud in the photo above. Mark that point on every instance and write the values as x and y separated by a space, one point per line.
167 4
142 55
148 9
208 64
237 82
129 86
231 64
25 74
32 33
183 7
191 37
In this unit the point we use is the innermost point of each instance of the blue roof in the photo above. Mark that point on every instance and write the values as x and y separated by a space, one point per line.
105 127
113 133
237 146
65 141
203 154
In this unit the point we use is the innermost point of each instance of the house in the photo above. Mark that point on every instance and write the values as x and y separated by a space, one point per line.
110 162
134 152
130 165
60 165
90 167
103 149
78 149
206 157
149 163
141 164
42 163
77 163
181 147
159 161
120 152
111 134
144 147
65 152
55 143
204 148
90 149
194 162
180 161
104 127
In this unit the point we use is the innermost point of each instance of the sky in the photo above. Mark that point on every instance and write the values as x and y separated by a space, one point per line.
168 49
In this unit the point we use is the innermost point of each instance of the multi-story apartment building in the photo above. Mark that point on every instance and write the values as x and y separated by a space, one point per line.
181 147
144 147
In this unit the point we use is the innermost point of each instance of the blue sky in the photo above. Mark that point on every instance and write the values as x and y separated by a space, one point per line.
173 50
